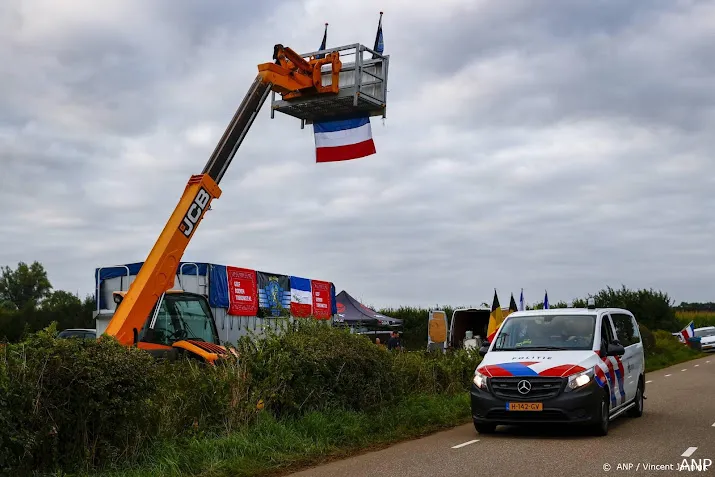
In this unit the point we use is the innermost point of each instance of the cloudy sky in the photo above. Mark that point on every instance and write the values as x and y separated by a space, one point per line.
560 145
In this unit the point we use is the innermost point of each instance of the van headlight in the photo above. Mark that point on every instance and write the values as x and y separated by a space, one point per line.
479 380
577 381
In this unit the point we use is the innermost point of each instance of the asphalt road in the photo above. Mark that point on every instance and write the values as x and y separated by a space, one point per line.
678 424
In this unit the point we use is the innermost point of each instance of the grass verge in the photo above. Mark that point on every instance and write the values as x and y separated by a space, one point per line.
668 351
272 447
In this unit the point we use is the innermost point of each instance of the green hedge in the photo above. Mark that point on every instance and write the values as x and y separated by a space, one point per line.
85 404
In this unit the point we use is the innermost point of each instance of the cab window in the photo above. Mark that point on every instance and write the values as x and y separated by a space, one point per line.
606 332
625 331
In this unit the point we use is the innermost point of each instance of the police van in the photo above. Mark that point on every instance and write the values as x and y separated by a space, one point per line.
570 365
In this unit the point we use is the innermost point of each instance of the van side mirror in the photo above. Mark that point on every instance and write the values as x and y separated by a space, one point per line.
615 349
485 347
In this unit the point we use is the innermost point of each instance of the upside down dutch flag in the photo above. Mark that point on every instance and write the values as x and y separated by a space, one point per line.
301 297
343 139
688 332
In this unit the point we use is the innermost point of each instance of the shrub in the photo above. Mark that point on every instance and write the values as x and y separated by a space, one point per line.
647 337
72 402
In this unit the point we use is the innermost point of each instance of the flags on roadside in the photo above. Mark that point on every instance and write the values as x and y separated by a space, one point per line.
322 45
688 332
301 297
495 318
379 42
343 139
546 300
521 301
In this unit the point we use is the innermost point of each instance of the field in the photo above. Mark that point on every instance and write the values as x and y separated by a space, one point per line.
700 318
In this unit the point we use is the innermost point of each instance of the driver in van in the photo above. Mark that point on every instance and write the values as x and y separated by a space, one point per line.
579 331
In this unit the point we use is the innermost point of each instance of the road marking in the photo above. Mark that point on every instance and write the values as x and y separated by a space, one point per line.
648 382
707 361
697 365
688 452
683 369
668 375
465 444
713 424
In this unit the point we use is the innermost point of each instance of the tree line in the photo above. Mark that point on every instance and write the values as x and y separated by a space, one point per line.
29 303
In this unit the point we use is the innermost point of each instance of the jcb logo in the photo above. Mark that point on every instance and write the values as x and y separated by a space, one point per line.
195 212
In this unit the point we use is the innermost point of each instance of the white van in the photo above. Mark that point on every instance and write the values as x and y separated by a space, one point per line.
569 365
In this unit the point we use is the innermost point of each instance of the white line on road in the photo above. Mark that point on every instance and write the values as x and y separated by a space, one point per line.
668 375
465 444
689 451
648 382
683 369
713 424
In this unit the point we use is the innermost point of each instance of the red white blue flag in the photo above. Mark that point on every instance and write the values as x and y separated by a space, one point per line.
688 332
343 139
301 297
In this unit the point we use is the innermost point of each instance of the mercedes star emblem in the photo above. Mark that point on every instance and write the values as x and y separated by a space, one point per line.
524 386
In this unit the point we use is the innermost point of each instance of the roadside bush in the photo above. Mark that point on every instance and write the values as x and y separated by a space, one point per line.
647 337
317 367
65 403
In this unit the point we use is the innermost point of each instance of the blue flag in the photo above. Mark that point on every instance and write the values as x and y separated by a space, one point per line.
322 45
379 43
546 300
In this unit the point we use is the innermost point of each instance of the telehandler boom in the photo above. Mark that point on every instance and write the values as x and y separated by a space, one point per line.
150 315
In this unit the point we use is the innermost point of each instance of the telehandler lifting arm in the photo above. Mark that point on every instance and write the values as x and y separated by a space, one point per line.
290 75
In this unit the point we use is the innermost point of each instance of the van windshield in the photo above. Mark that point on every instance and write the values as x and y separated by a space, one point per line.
705 332
546 332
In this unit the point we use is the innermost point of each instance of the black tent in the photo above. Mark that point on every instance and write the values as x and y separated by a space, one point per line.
351 311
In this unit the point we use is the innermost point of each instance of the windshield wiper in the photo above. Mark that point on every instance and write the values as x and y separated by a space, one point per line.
544 348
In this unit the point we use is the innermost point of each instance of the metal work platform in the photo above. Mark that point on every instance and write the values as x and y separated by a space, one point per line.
362 82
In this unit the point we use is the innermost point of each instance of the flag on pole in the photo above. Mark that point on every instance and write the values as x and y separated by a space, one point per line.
546 300
343 139
512 304
323 44
688 332
495 318
521 301
379 42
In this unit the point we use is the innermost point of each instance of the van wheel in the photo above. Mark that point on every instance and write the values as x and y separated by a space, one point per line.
637 410
601 428
484 428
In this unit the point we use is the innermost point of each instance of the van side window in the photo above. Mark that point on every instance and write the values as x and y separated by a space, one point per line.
624 329
636 331
606 332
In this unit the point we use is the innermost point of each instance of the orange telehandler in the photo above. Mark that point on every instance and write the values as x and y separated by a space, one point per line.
168 322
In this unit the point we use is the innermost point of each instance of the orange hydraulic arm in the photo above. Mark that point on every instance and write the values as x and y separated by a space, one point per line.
290 75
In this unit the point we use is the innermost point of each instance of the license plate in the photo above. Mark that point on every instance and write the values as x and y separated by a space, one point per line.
524 406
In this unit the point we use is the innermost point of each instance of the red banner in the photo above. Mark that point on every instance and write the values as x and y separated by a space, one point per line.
321 299
242 292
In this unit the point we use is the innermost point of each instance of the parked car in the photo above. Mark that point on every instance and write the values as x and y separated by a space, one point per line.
707 337
85 333
580 366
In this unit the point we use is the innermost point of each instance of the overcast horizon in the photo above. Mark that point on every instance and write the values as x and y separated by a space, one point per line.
560 146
